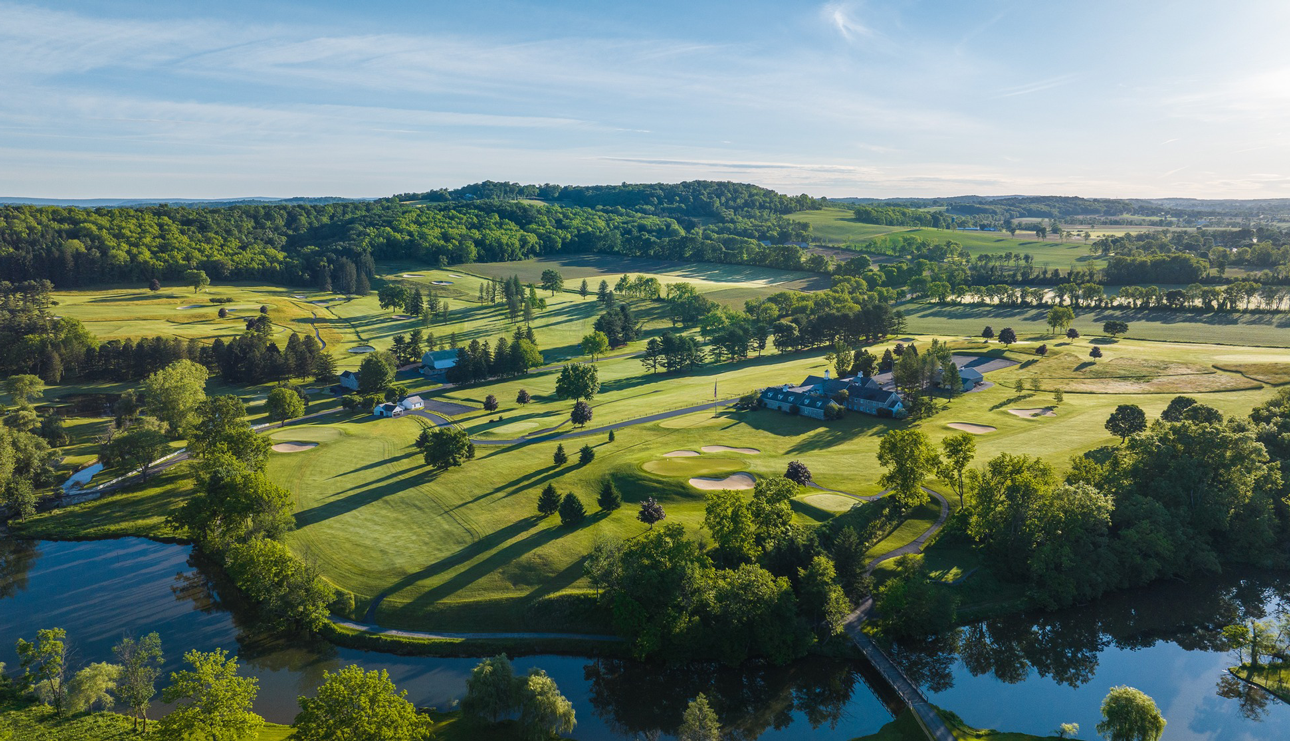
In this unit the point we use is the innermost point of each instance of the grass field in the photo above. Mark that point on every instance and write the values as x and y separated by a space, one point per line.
464 549
838 226
1255 329
26 722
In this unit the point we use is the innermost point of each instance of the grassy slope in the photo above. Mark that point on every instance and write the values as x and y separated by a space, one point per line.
1267 330
462 550
140 510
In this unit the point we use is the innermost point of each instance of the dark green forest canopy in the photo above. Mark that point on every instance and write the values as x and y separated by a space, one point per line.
297 243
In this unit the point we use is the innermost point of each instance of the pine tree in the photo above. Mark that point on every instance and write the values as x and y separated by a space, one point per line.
611 436
582 290
560 457
586 455
609 499
548 501
571 510
362 285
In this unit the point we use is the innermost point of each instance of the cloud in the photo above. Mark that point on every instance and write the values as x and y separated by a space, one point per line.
842 16
1035 87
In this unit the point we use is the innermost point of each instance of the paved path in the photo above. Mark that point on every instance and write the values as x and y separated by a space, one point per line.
318 334
926 715
377 630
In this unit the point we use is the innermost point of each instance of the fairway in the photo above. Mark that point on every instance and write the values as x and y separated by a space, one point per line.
1254 329
839 226
464 549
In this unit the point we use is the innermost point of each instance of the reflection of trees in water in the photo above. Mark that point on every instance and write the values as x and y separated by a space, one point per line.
1066 645
16 560
1252 701
210 591
643 699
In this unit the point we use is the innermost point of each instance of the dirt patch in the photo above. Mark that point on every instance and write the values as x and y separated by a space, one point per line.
735 482
728 449
1032 413
969 427
293 447
681 454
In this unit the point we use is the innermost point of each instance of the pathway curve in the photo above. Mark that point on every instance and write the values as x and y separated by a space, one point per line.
928 719
378 630
318 334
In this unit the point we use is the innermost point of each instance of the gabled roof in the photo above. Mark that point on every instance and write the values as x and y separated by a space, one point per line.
863 382
411 400
448 354
790 396
348 374
878 395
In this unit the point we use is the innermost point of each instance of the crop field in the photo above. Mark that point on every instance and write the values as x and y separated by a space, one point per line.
1253 329
838 226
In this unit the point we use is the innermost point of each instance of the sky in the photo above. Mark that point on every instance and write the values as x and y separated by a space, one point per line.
141 99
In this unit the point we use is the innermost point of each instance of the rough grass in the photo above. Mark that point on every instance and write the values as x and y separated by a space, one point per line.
706 277
30 722
1273 374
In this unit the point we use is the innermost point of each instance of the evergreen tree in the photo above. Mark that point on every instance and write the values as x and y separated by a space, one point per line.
571 510
609 499
548 501
560 458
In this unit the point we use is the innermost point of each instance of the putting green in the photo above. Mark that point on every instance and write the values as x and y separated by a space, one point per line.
690 466
514 427
830 502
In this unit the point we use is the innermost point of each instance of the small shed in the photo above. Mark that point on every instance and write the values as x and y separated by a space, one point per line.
412 402
388 409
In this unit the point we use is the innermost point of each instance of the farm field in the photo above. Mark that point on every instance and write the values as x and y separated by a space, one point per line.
1253 329
838 226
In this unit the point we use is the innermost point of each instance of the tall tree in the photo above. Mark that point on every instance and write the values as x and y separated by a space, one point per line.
44 666
958 450
699 722
175 392
447 447
212 700
354 705
577 381
283 404
140 662
548 502
908 458
1127 420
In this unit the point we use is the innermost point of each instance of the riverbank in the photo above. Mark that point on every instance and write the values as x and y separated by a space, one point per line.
1273 678
905 728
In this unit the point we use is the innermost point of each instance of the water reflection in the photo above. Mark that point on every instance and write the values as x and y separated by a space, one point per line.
100 590
1029 672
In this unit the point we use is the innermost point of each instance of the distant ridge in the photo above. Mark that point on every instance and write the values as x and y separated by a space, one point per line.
198 202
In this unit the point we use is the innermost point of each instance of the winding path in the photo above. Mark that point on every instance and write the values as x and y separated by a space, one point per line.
378 630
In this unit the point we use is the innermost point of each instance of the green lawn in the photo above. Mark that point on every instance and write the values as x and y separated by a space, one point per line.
839 226
140 510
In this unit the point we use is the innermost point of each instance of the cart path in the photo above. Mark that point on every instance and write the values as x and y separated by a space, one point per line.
377 630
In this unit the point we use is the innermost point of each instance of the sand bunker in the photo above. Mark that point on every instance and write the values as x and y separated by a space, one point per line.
735 481
293 447
728 449
411 275
362 349
298 295
402 316
1032 413
974 429
440 282
681 454
192 306
319 303
453 275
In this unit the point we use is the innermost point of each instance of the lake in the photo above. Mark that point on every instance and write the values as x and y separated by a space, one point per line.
101 590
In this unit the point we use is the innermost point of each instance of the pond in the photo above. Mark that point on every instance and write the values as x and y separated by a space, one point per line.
101 590
1032 672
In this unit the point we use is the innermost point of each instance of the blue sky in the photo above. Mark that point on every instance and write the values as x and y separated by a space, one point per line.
202 99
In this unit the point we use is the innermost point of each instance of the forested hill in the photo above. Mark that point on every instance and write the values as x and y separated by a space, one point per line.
695 199
307 244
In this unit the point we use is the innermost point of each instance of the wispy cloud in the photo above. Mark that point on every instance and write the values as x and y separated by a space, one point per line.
1036 87
843 17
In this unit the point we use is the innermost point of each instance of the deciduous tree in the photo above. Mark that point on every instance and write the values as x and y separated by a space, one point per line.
140 662
908 458
212 700
1129 714
355 705
174 393
284 404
